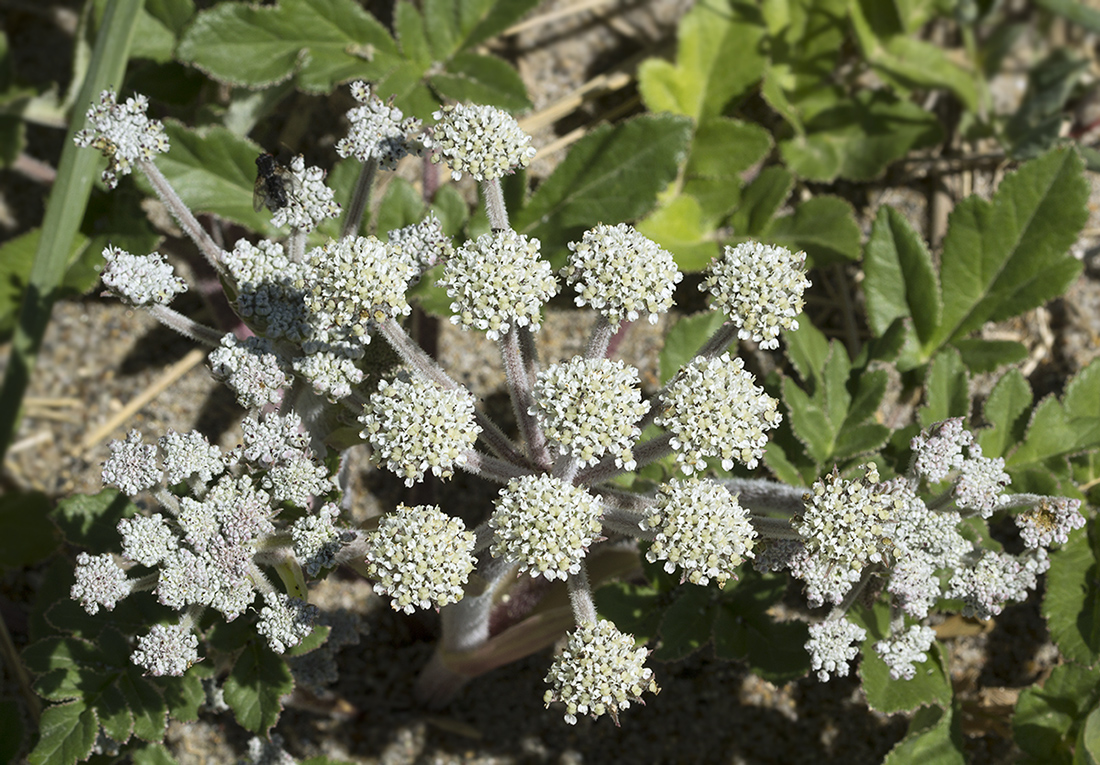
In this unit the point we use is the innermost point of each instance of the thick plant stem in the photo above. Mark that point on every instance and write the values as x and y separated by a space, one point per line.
580 597
189 328
494 204
188 222
600 339
519 385
360 195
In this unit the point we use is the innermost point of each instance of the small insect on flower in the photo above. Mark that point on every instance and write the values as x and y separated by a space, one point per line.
274 184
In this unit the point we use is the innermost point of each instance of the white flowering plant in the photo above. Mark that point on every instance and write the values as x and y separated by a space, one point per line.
882 528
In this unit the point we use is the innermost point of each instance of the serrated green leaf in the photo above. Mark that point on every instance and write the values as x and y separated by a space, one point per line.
721 151
760 200
26 534
930 685
258 680
635 609
1082 393
314 640
1045 716
114 714
1037 124
481 79
678 227
684 340
808 422
1006 411
988 355
1071 603
933 738
184 695
1008 255
152 754
719 56
744 630
857 137
89 520
1057 430
325 42
457 25
825 227
66 734
408 27
687 623
146 703
807 349
906 62
900 277
611 175
946 390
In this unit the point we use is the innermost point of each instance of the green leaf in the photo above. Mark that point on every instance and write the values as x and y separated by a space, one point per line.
720 54
807 349
818 418
722 150
408 27
825 227
456 25
744 630
933 738
312 641
678 227
611 175
401 206
989 355
325 42
1071 603
685 339
1006 411
906 62
153 754
946 390
1045 717
930 685
258 680
90 520
1088 740
760 200
25 524
1037 124
482 79
900 277
687 623
1060 429
857 137
66 734
1009 255
1075 11
634 608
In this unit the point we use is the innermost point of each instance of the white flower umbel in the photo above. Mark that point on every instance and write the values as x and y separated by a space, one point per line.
701 529
317 540
498 281
379 131
903 652
850 523
599 671
132 466
167 650
991 581
714 409
123 134
483 141
350 284
189 456
589 408
99 582
285 621
420 557
330 374
938 449
269 290
759 286
545 525
621 274
423 244
147 540
251 368
831 647
981 482
415 426
140 279
310 201
1049 521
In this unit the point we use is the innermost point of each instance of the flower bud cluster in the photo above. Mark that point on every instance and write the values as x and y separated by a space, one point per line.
379 131
123 133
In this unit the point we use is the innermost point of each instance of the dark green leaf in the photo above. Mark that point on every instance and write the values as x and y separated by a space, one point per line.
1071 603
760 200
1058 429
257 682
685 339
325 42
153 754
930 685
610 176
744 629
825 227
147 704
482 79
90 521
722 150
25 524
687 623
989 355
933 738
1006 411
1006 256
66 734
807 349
1045 716
947 390
634 609
900 277
312 642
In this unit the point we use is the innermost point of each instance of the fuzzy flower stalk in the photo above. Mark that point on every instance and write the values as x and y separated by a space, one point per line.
330 364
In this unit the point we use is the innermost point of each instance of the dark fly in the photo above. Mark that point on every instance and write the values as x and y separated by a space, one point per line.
274 184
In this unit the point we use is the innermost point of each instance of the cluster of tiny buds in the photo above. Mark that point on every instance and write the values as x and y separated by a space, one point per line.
483 141
123 134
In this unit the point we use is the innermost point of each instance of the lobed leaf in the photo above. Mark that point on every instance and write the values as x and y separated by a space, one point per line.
256 684
1071 603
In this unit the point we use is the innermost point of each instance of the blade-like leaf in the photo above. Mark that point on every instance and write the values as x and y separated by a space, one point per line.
482 79
760 200
825 227
900 277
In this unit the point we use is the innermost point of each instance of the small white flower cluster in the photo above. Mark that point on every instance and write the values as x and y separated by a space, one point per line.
759 286
702 529
714 409
317 539
498 281
310 202
415 426
981 482
166 650
483 141
621 274
420 557
140 279
99 582
903 652
423 244
938 450
285 621
544 525
268 291
123 133
1050 521
832 645
590 408
992 579
598 672
379 131
251 368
